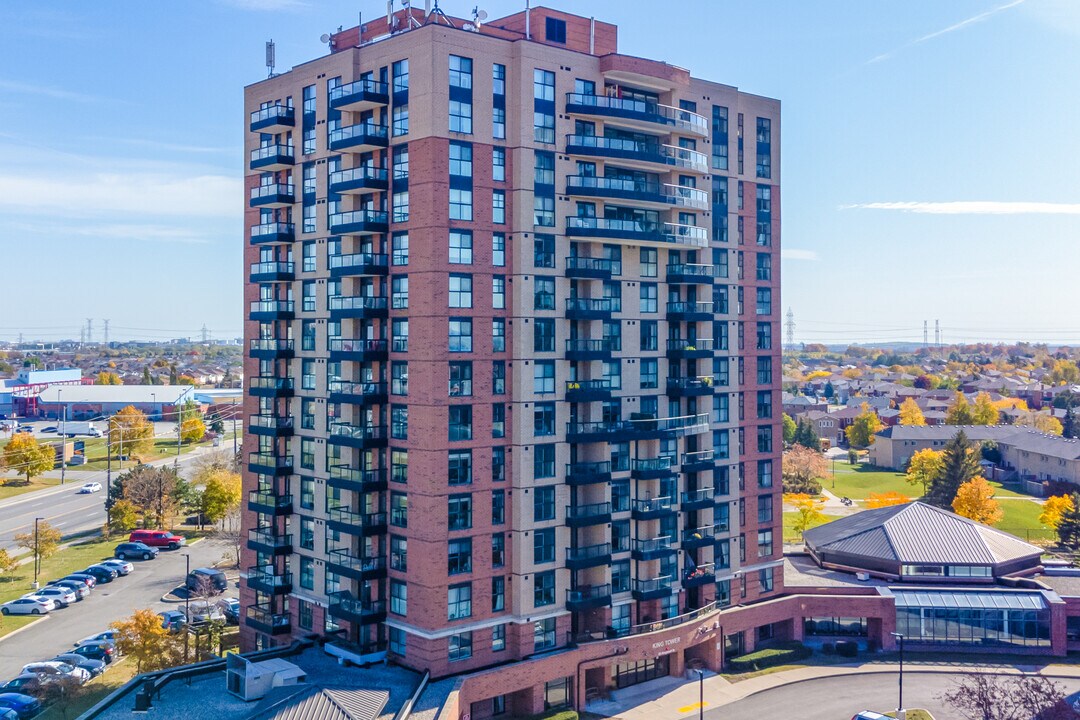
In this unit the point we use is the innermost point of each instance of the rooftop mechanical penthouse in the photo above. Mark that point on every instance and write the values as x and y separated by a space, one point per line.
513 356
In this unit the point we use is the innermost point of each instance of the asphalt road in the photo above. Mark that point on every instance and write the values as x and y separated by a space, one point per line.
839 698
106 603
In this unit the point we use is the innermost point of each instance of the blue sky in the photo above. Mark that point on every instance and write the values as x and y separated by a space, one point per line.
929 154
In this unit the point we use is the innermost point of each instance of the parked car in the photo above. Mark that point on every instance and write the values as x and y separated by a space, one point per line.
27 706
112 572
59 595
102 575
207 578
157 538
81 589
173 620
109 635
203 611
27 606
58 669
135 550
121 566
24 684
94 667
90 580
103 650
869 715
91 487
231 609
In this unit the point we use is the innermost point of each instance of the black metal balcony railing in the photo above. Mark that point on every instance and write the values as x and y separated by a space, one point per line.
365 178
687 274
688 349
589 556
588 597
690 310
357 393
357 349
271 386
587 390
700 537
358 568
591 514
588 267
362 436
586 349
264 619
269 580
344 605
588 308
696 499
364 524
700 575
689 387
651 589
268 541
357 480
698 461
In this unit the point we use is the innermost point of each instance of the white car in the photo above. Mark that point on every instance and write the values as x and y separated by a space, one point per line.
56 669
62 596
122 567
91 487
27 606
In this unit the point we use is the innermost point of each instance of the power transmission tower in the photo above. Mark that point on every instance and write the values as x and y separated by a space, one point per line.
937 333
82 335
106 331
789 325
205 333
924 333
89 330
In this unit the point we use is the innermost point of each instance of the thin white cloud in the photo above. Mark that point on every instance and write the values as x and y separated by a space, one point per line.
798 254
945 31
973 207
44 91
267 5
112 231
172 147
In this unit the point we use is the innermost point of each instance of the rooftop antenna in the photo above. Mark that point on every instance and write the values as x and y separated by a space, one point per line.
411 21
438 13
478 17
270 56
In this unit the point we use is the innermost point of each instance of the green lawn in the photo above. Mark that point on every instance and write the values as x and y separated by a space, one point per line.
790 536
95 453
7 491
856 482
1022 519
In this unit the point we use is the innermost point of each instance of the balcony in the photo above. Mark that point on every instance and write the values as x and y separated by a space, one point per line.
273 233
272 349
345 607
696 499
586 515
269 542
359 96
588 309
270 503
357 393
700 537
589 556
642 193
270 464
359 264
263 619
588 597
268 580
361 308
588 473
268 310
344 477
691 274
585 350
270 425
273 119
637 114
684 425
689 311
652 549
698 348
651 589
359 222
587 268
355 523
689 387
637 231
588 390
276 195
652 468
362 138
357 350
649 156
652 509
272 272
699 461
699 576
271 387
345 563
272 157
600 431
359 180
362 437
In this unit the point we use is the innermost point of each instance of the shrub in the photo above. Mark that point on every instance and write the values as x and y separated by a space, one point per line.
847 648
770 657
853 457
828 648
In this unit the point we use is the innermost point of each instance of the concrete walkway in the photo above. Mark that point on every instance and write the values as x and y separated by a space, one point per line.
674 697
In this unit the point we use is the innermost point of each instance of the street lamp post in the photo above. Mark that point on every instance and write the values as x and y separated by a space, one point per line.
900 699
63 436
187 603
37 552
701 694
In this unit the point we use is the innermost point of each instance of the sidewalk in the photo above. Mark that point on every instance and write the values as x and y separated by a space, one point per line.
672 697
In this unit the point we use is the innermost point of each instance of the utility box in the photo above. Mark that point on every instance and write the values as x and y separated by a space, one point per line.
253 680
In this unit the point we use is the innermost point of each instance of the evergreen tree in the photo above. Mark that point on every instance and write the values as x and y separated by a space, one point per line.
147 380
829 390
1068 528
1068 423
806 435
960 464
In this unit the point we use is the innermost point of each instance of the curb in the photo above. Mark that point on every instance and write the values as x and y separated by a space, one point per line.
27 626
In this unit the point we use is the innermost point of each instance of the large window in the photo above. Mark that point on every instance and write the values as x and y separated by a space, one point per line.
460 647
544 588
544 377
461 159
835 626
459 556
461 247
459 601
460 335
983 618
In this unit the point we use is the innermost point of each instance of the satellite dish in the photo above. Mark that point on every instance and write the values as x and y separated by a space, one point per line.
482 15
468 26
324 38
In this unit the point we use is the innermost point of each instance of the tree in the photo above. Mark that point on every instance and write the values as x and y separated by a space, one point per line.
789 428
984 412
983 695
107 378
927 382
192 427
42 544
231 535
1064 372
829 391
960 463
173 377
1069 427
146 378
911 413
803 469
143 639
123 516
130 431
975 500
886 499
959 411
807 509
1042 422
860 433
154 492
26 456
221 495
1068 528
8 564
806 435
61 694
1054 509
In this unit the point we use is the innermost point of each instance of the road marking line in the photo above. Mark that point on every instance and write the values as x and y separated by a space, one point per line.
694 706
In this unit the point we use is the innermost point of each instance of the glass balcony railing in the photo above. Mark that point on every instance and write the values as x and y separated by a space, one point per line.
643 110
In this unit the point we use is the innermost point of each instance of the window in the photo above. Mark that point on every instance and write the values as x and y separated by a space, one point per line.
307 533
498 250
544 634
460 422
544 419
401 162
399 422
459 467
764 543
498 123
399 509
460 647
309 254
399 553
498 207
459 601
460 291
764 439
544 503
650 374
764 509
307 334
460 379
461 247
400 335
544 335
498 555
307 573
620 576
399 465
543 210
309 99
544 461
498 642
498 292
544 251
460 512
764 301
461 117
613 374
307 462
460 204
649 266
498 464
650 335
498 164
555 31
765 473
764 336
400 243
397 641
498 336
498 420
557 693
461 159
399 292
543 85
544 377
460 72
498 507
544 293
543 168
764 266
399 378
306 615
498 79
544 546
400 73
309 291
648 297
460 335
544 106
544 588
459 556
764 370
399 597
765 579
764 404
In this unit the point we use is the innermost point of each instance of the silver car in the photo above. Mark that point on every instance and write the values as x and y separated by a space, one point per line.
27 606
58 669
62 596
